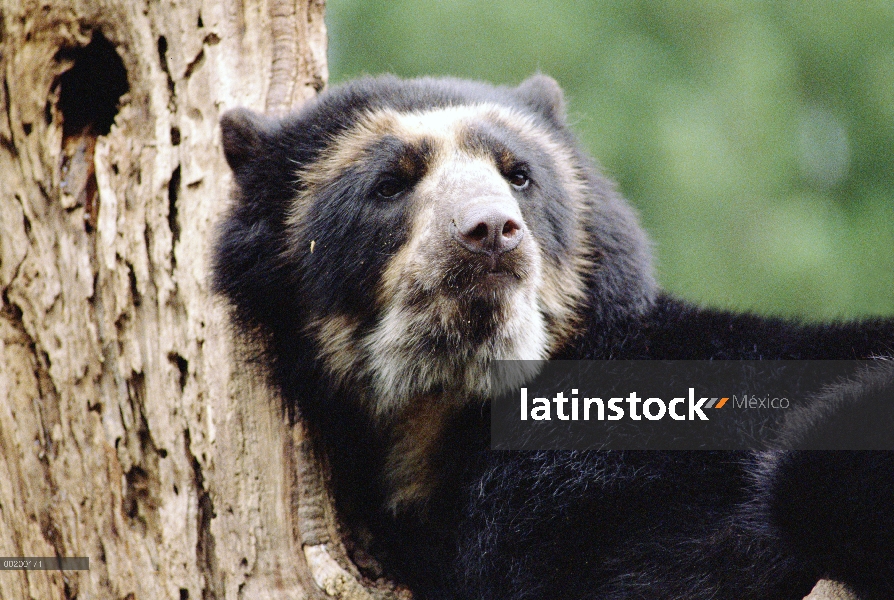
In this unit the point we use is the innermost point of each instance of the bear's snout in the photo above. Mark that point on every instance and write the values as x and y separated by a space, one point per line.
492 228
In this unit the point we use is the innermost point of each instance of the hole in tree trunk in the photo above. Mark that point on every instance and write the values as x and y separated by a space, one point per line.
88 102
89 91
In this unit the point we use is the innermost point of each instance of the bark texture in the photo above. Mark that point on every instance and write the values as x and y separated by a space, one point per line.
129 433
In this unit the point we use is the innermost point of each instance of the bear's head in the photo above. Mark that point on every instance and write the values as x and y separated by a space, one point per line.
410 232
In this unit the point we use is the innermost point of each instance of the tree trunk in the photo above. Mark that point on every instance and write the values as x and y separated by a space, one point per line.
130 431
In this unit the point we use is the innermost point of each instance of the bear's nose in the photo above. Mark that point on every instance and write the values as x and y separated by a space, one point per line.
488 228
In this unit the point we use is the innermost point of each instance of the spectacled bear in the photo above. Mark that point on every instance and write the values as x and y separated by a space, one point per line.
393 238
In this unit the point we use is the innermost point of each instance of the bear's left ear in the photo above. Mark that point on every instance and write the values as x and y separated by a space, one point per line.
543 94
244 132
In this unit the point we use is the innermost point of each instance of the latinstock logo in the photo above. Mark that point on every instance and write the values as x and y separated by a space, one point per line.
653 405
653 409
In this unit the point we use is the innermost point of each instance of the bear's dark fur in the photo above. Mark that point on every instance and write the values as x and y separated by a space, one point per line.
392 238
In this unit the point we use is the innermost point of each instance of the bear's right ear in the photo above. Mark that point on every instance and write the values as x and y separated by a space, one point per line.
543 94
243 136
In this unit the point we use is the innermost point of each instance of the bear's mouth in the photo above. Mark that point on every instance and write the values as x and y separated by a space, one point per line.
477 274
498 265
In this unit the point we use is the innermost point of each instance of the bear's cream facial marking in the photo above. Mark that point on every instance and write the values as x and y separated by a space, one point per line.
338 346
448 310
468 284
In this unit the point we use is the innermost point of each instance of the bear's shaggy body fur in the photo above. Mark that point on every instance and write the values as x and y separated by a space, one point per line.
391 239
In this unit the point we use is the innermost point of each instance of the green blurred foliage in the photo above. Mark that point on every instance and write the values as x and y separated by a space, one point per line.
756 138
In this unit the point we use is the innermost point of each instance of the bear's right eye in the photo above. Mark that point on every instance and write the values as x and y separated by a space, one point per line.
519 179
391 187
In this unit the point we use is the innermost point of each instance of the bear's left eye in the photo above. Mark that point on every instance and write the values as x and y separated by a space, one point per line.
519 179
391 187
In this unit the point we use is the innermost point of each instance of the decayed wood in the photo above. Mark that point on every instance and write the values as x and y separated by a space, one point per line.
129 433
830 590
